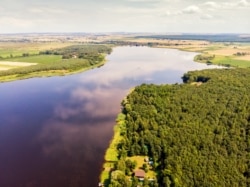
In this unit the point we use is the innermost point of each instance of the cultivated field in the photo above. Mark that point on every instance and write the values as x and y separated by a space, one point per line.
20 60
14 49
5 65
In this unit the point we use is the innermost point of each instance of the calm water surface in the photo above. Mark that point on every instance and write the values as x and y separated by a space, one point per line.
54 131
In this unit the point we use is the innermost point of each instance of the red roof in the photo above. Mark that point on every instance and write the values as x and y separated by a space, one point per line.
140 173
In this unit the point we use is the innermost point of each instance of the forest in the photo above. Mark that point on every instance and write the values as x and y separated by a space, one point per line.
196 133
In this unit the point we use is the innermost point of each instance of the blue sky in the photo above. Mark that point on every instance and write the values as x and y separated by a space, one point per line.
191 16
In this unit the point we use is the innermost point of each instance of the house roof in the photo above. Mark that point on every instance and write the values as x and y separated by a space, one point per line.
140 173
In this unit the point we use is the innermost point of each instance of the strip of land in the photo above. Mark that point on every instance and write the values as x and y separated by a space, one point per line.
53 62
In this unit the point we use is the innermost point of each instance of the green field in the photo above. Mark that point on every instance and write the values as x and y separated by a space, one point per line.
14 49
230 61
40 59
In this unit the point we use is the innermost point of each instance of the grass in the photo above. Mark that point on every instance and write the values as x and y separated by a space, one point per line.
225 61
225 54
111 155
40 59
139 160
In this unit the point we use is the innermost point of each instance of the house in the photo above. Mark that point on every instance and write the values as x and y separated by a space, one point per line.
140 174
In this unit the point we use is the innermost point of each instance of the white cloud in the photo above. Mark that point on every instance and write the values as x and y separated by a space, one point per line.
169 13
234 5
243 3
44 10
123 15
142 0
207 16
212 4
11 21
191 9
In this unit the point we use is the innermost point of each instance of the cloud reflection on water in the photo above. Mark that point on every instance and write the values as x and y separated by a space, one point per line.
81 125
143 63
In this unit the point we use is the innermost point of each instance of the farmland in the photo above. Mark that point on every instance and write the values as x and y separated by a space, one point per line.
44 61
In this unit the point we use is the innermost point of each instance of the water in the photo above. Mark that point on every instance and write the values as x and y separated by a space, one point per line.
54 131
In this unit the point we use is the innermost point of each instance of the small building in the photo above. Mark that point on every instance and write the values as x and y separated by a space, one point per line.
140 174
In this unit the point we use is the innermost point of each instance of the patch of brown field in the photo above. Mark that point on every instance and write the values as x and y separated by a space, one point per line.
196 83
6 65
194 49
246 57
228 51
18 64
4 68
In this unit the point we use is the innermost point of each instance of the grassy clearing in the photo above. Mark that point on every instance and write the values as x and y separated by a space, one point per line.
140 160
232 61
222 60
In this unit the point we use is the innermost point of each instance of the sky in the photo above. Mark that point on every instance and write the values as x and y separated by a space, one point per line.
157 16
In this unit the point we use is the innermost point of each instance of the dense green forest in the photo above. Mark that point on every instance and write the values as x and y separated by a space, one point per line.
71 59
196 133
79 51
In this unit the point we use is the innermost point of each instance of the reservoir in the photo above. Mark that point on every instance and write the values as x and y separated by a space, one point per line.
54 131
